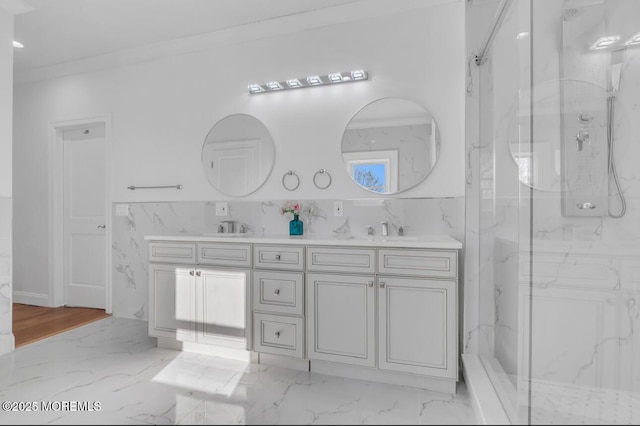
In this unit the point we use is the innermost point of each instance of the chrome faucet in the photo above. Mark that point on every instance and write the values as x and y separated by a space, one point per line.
385 228
228 226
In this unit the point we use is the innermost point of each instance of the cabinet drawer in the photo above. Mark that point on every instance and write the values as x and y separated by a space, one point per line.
341 259
224 254
440 264
278 292
279 257
172 252
278 335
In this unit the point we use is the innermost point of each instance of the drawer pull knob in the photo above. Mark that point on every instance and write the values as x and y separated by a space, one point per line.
370 283
199 273
382 285
192 273
277 257
277 291
277 334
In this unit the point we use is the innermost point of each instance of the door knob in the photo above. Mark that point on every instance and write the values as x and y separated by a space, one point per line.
277 334
199 273
192 273
277 291
102 226
382 285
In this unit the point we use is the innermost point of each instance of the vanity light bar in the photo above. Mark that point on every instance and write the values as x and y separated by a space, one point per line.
312 80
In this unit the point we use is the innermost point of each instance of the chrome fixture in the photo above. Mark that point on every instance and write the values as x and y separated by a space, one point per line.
385 228
369 230
153 187
582 137
228 226
312 80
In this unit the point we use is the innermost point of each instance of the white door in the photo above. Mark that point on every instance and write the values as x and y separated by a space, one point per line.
234 166
84 270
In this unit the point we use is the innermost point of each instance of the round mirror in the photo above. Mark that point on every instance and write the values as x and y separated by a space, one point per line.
390 145
238 155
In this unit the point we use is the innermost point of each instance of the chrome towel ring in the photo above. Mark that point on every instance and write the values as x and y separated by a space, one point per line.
321 172
294 181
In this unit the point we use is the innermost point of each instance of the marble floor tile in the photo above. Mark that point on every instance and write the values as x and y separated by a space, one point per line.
114 369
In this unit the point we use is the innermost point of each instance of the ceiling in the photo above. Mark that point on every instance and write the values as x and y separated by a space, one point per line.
62 31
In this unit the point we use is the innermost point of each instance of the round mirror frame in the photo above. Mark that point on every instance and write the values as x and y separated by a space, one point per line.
390 169
252 136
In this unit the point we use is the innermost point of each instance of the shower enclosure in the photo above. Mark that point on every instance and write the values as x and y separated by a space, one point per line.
552 269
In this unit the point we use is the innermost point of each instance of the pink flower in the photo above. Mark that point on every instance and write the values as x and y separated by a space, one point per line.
293 208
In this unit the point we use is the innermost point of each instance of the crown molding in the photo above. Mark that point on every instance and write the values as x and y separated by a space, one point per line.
15 7
354 11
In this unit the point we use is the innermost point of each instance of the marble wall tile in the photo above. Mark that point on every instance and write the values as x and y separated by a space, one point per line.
129 248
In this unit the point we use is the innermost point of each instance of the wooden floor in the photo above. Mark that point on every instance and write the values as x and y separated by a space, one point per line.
33 323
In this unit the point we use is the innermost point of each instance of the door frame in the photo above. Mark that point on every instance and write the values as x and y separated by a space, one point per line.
56 206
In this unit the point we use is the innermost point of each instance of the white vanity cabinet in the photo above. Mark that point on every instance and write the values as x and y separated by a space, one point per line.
400 318
199 292
278 300
351 308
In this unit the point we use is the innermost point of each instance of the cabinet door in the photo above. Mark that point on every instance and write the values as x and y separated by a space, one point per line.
172 309
341 318
417 323
223 307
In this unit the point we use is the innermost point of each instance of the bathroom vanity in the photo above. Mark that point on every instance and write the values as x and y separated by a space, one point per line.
376 308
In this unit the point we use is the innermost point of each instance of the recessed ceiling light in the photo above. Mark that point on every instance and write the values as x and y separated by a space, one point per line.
18 45
635 39
604 42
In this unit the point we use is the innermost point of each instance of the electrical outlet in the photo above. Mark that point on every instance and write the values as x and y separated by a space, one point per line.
222 209
338 208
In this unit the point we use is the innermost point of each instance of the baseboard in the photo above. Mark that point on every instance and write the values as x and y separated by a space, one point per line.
284 361
28 298
374 375
484 399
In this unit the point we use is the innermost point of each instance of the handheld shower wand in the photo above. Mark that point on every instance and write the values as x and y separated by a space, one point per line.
617 58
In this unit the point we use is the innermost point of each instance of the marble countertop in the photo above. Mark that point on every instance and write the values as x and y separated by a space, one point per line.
418 241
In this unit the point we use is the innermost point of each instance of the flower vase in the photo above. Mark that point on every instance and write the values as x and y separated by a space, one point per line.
296 226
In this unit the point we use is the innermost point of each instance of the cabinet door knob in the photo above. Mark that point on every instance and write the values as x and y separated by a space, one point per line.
277 291
277 334
199 273
370 283
277 257
382 284
192 272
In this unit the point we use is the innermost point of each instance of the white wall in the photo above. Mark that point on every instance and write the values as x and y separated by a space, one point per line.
163 109
6 96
